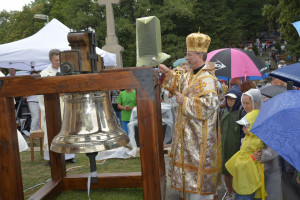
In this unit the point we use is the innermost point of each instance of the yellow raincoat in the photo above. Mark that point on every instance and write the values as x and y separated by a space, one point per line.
245 171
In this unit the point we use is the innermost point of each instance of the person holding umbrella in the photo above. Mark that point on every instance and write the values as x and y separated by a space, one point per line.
268 156
279 177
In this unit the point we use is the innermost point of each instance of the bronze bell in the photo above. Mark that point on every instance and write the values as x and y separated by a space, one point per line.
89 125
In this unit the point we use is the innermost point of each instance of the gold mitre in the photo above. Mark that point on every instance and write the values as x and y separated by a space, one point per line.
198 42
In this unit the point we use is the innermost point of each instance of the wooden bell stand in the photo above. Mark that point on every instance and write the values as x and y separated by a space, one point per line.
146 82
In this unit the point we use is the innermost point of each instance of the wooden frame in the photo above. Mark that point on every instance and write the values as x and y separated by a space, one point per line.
146 82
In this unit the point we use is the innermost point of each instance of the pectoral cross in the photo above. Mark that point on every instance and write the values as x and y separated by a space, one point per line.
178 72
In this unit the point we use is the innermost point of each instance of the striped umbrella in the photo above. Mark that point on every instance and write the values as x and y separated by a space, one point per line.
233 63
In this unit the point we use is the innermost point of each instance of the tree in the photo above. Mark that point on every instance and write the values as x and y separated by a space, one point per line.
284 13
227 22
16 25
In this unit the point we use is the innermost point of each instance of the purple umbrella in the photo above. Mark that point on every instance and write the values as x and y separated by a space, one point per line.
233 63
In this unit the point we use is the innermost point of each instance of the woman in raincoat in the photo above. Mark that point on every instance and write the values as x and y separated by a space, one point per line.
242 166
230 134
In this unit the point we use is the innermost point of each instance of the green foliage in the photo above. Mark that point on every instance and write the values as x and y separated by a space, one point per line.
277 47
111 194
16 25
255 50
249 13
227 22
285 12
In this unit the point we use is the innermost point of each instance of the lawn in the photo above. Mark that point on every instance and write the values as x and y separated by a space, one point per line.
35 175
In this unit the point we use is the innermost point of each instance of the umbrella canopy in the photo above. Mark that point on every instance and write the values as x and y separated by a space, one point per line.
277 125
272 90
233 63
288 73
297 26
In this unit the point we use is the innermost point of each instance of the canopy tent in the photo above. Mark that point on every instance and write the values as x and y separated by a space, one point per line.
34 50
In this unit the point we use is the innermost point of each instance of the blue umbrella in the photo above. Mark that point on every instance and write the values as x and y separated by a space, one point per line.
278 125
297 26
288 73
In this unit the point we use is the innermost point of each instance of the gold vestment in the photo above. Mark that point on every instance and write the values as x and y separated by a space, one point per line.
202 140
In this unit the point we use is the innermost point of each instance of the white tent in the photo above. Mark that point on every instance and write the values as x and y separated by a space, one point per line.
23 53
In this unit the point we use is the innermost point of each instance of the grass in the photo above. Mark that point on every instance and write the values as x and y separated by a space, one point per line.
109 194
35 174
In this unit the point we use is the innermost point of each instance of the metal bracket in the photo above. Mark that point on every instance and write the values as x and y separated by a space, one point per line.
66 68
146 78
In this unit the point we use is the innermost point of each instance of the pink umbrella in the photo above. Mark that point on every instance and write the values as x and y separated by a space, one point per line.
233 63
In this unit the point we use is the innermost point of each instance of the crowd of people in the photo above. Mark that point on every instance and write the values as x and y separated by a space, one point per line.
200 96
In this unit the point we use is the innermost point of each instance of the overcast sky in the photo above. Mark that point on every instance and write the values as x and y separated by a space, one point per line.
10 5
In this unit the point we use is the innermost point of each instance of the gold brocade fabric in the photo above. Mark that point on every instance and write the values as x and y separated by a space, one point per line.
202 141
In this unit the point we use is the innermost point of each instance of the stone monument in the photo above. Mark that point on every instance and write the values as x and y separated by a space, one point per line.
111 40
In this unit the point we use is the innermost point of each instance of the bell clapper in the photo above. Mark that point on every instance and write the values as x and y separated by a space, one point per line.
93 167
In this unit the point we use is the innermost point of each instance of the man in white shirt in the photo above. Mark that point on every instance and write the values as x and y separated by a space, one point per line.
51 70
12 72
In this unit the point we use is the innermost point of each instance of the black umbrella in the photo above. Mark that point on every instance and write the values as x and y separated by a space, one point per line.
272 90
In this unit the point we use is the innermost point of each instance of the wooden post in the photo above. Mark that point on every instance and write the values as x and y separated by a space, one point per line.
151 145
10 170
53 118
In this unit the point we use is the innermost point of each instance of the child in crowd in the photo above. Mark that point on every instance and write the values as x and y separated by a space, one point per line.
242 166
231 135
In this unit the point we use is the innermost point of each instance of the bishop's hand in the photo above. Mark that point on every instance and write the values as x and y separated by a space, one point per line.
179 98
163 68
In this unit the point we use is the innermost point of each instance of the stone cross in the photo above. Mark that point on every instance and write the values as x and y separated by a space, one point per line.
111 40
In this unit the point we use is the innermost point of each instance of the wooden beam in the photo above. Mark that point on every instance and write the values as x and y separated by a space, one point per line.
49 191
105 180
32 85
10 166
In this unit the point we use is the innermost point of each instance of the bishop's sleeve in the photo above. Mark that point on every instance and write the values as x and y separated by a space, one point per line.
200 107
171 82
